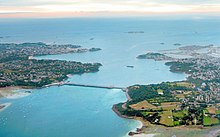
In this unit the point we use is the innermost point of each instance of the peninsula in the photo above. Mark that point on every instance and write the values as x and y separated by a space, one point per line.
192 102
19 68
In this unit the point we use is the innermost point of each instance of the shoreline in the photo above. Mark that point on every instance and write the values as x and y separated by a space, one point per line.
8 91
139 131
144 129
11 93
119 114
4 106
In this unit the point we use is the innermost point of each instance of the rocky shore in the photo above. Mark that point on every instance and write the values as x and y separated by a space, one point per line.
119 114
139 130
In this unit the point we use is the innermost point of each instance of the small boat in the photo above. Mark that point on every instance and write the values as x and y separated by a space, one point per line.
130 66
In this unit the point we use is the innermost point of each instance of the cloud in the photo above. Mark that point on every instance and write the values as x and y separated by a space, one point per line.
137 6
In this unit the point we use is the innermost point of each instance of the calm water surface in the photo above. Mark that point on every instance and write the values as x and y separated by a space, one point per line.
86 112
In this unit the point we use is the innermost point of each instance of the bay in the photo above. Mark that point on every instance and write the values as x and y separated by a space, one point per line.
84 112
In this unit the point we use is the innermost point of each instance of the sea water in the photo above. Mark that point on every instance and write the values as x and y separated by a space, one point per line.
86 112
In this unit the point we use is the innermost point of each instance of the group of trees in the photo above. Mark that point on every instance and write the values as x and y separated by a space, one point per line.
139 93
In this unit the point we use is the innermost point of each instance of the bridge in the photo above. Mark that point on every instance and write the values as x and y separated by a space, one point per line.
85 85
93 86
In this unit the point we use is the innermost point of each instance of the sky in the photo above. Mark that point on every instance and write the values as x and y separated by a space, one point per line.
68 8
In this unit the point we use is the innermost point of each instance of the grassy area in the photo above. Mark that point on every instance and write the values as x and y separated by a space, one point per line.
211 110
143 105
180 114
182 84
187 93
180 96
168 108
177 123
185 84
160 91
209 121
164 104
146 113
166 118
217 112
206 111
169 105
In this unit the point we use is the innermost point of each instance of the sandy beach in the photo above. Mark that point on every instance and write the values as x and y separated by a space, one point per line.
183 131
11 93
8 91
145 135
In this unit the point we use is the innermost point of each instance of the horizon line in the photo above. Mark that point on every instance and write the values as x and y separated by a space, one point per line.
103 14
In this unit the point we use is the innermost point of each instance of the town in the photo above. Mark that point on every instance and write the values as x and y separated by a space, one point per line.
19 68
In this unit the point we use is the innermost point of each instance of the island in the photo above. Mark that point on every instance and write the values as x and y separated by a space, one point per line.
19 68
192 102
94 49
177 44
154 56
130 66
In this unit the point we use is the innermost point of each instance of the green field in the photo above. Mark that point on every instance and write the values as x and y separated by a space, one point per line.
166 118
180 114
206 111
209 121
146 113
185 84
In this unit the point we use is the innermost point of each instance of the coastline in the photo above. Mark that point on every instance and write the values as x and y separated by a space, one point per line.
11 93
8 91
119 114
4 106
145 135
144 124
137 131
146 129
